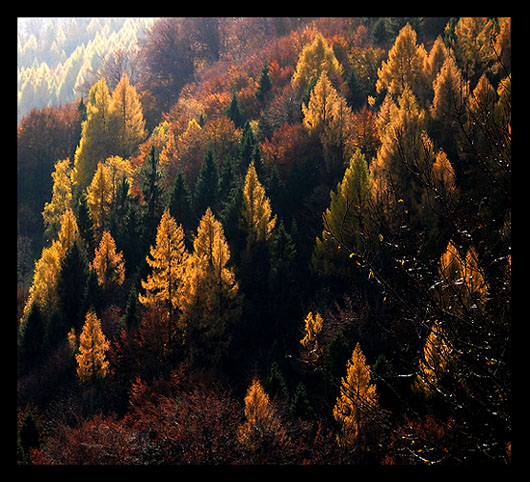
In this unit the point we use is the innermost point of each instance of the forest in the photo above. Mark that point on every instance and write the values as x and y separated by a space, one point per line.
264 240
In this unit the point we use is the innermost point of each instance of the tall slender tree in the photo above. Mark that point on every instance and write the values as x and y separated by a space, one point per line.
108 263
357 403
167 260
346 221
96 142
210 301
128 121
256 210
92 363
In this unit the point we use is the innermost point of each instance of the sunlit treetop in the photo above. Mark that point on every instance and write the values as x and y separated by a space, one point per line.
314 59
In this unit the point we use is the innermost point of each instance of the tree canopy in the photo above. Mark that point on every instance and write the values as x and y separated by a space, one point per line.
264 240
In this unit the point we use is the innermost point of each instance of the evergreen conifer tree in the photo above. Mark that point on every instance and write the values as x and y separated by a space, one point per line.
234 111
72 289
180 202
265 84
96 142
206 188
31 345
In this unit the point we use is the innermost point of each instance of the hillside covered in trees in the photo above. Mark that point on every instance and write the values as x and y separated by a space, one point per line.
264 241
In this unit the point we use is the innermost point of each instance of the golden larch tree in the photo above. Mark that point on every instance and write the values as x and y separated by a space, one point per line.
436 58
96 142
357 403
93 346
474 41
61 197
450 91
315 58
463 286
320 109
210 302
256 210
404 67
435 360
128 121
118 169
345 220
262 429
167 261
310 341
99 199
43 289
443 175
68 232
404 160
108 263
328 116
503 47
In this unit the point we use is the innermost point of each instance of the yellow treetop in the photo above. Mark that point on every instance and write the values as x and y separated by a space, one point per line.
463 284
128 118
322 105
48 267
61 197
117 169
108 263
99 198
68 232
209 298
262 423
328 115
474 40
345 220
314 59
45 276
167 260
256 210
91 359
443 174
405 65
357 403
435 361
435 59
449 90
96 142
313 327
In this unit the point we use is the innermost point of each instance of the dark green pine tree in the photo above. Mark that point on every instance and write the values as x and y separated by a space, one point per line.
29 435
265 83
131 317
338 353
84 223
357 97
180 203
300 406
230 218
206 188
256 158
133 240
282 252
152 194
31 344
275 384
122 200
275 191
71 289
234 111
81 107
226 180
246 148
282 291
